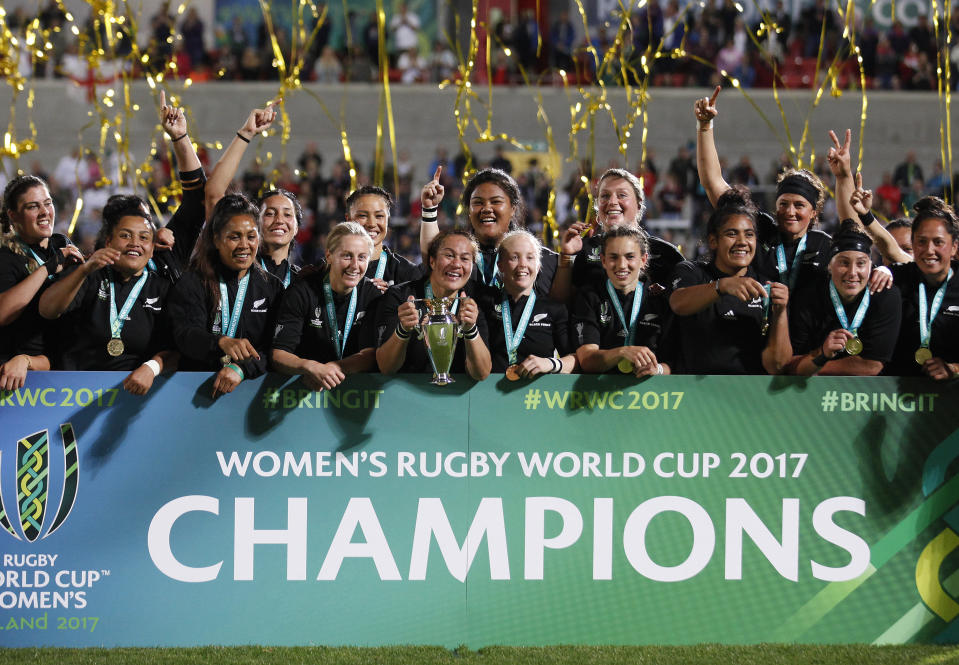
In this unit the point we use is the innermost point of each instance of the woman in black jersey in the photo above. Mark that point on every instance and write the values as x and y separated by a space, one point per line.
30 254
928 340
112 309
222 308
786 240
620 201
494 205
370 206
528 334
324 324
836 326
729 322
621 324
280 211
451 256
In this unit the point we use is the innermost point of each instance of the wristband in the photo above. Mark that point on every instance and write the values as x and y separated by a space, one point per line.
242 138
236 368
429 214
433 209
181 136
472 333
566 260
154 367
706 127
659 369
557 365
402 332
820 360
715 283
867 219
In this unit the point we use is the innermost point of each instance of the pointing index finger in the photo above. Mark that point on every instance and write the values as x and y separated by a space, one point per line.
439 171
712 100
162 98
858 179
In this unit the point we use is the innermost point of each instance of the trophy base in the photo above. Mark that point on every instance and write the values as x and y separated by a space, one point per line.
442 379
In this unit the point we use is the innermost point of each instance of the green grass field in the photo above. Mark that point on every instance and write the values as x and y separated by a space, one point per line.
705 654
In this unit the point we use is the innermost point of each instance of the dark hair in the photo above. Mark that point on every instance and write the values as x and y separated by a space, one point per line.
633 232
206 257
812 180
435 243
623 174
504 181
734 202
899 223
369 190
932 207
11 196
297 208
117 207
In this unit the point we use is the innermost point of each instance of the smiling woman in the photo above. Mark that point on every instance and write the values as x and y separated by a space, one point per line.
222 308
451 257
112 310
728 322
370 206
324 326
30 254
836 325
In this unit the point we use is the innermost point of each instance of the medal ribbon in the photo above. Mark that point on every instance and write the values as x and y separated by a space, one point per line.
789 274
630 327
381 265
237 305
35 257
289 272
493 280
339 342
841 312
927 316
513 340
117 320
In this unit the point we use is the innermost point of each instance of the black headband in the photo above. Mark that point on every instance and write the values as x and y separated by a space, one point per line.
850 241
796 184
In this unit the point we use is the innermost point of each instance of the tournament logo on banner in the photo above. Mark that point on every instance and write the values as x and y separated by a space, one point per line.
33 483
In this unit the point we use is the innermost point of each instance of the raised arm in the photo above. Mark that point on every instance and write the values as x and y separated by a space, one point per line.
174 124
860 201
839 164
707 159
430 198
223 172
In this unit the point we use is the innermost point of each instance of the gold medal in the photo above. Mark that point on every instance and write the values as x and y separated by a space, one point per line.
923 354
115 347
853 346
625 366
512 372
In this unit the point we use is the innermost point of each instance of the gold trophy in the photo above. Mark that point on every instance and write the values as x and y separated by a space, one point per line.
439 330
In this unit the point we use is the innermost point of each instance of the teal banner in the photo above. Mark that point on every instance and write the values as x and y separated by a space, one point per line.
566 510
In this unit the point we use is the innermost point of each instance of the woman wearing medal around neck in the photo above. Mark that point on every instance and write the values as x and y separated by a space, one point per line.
787 242
30 254
222 308
280 211
112 309
835 325
451 256
729 322
494 204
528 334
324 324
620 201
928 341
619 324
369 206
